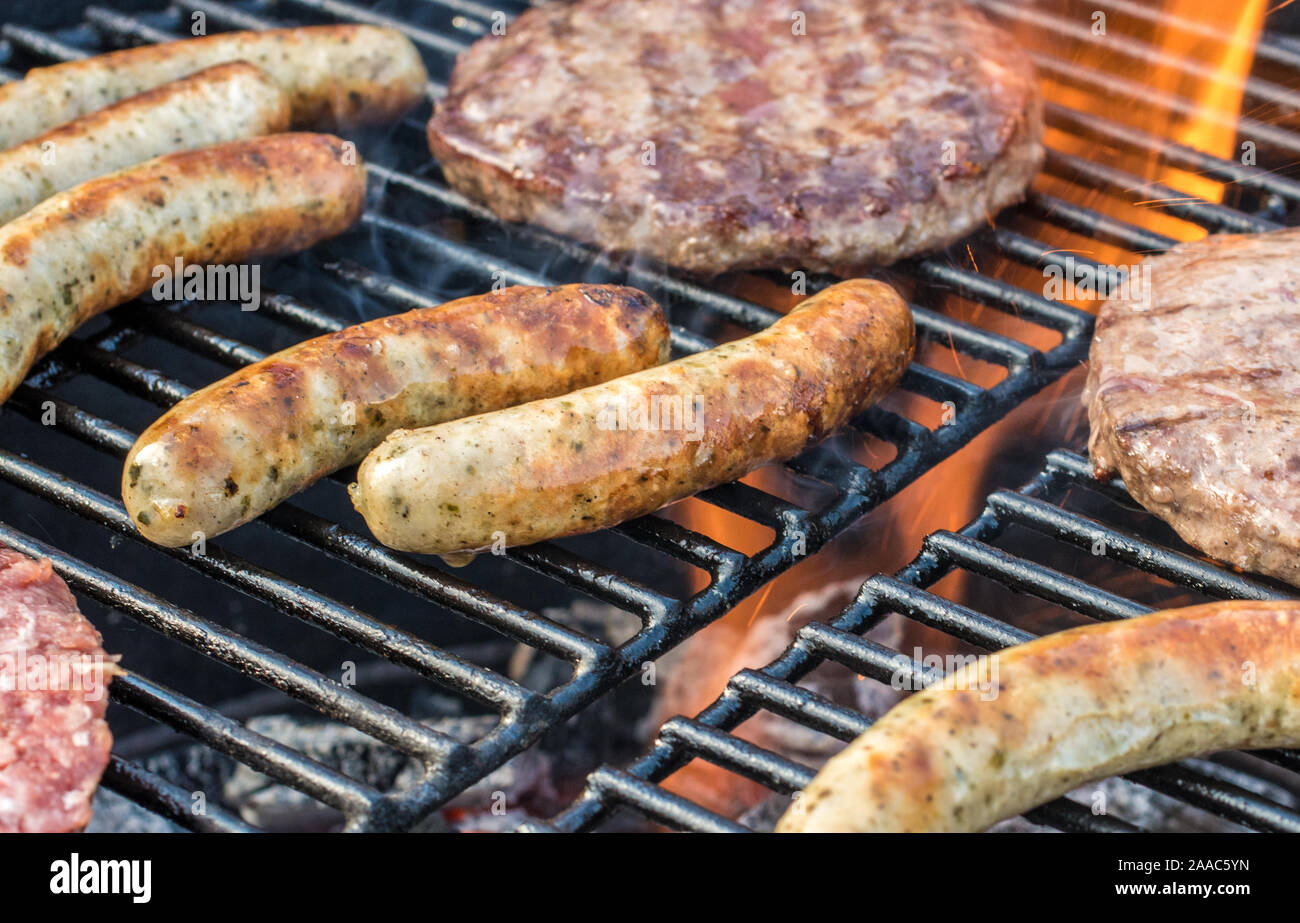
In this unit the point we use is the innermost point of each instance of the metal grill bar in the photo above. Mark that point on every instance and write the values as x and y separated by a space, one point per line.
254 750
320 692
774 688
490 689
1206 214
1269 48
666 620
166 800
1175 155
1099 227
1112 86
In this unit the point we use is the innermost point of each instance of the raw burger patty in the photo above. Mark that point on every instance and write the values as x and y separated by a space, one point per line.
1194 397
888 128
53 741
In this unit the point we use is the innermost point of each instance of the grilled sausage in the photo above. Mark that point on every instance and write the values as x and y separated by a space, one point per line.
222 103
238 447
993 740
334 76
99 244
606 454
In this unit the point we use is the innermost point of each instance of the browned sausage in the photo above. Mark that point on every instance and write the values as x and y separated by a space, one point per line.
98 244
1030 723
334 76
233 450
608 453
223 103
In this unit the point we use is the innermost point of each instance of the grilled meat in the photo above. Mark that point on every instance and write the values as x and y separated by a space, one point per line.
99 244
1007 734
223 103
233 450
1194 397
730 134
334 76
597 457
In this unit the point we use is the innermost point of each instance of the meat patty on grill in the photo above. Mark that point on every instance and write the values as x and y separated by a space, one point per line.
1194 397
54 742
739 134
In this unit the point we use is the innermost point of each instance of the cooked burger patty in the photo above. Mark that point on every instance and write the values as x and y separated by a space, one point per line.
53 676
1194 397
731 134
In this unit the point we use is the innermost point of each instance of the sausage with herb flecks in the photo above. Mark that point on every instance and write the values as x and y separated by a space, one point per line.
233 450
1034 721
99 244
334 76
605 454
222 103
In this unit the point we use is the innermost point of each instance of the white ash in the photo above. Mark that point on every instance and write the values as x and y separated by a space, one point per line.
115 814
262 801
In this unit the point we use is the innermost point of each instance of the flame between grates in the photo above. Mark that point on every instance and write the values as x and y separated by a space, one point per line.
1260 790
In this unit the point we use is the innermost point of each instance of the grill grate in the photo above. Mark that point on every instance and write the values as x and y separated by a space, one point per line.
417 220
1047 507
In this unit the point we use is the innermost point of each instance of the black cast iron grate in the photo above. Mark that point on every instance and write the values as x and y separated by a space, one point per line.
1068 521
417 221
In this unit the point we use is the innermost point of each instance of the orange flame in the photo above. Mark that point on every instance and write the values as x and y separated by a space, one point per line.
1218 100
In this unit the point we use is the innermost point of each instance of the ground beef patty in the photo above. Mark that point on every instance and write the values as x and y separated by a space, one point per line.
54 742
1194 397
712 135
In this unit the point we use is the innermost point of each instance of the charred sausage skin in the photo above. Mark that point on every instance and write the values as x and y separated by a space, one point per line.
569 465
97 245
993 740
334 76
223 103
238 447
